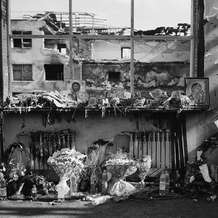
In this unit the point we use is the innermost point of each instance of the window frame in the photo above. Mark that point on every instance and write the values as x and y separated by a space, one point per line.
22 72
122 51
23 41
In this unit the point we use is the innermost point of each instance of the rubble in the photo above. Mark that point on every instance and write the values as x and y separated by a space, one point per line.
158 100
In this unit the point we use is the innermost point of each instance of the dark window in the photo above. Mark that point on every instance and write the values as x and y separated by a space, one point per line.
125 52
22 42
50 43
54 71
62 48
22 72
114 76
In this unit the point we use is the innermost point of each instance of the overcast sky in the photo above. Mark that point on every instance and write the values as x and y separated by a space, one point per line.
148 13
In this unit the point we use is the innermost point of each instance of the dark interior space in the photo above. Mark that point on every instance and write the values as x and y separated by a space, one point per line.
114 76
54 71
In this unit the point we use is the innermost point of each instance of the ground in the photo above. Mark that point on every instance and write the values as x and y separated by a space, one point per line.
179 208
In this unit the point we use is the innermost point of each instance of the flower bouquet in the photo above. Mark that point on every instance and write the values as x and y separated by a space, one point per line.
67 163
120 166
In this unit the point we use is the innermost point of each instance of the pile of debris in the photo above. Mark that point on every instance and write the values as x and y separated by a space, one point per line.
157 99
182 29
42 100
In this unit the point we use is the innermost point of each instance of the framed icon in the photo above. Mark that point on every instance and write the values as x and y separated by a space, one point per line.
197 89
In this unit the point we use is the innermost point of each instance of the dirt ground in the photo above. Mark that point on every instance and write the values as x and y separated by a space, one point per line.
179 208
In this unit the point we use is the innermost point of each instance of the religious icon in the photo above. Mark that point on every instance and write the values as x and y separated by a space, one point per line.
197 89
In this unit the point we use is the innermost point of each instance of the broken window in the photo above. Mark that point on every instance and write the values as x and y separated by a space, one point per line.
22 42
50 43
22 72
125 53
114 76
54 71
53 44
62 48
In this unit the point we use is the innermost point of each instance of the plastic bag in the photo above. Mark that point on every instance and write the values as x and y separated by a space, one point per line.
62 188
97 200
122 188
205 173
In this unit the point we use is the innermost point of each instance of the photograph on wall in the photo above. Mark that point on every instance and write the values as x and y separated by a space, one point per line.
197 89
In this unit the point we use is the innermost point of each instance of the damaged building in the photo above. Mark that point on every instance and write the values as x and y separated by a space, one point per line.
101 65
42 64
157 120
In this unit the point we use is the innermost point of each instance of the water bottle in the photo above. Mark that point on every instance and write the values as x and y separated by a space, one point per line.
167 179
3 186
34 192
93 181
104 182
164 183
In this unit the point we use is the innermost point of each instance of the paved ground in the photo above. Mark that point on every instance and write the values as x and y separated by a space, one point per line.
181 208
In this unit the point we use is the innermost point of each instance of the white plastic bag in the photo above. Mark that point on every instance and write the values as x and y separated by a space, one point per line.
62 188
205 173
122 188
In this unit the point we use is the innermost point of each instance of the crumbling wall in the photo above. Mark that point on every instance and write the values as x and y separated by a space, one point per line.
168 76
95 50
200 126
145 51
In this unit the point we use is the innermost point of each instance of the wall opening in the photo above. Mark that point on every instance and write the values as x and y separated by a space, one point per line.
114 76
54 44
50 43
62 48
54 71
125 52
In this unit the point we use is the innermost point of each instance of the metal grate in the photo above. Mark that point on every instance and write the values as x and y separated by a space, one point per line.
166 148
44 144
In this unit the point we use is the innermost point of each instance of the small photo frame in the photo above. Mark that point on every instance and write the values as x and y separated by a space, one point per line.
197 89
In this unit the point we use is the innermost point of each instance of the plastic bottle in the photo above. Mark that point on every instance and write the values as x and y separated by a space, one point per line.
73 186
104 182
167 179
3 186
93 181
164 183
34 192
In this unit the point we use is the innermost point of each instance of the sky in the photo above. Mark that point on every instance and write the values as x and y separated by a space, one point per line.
148 13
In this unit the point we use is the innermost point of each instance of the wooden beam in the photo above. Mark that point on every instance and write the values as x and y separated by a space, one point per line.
3 67
201 39
197 41
193 33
